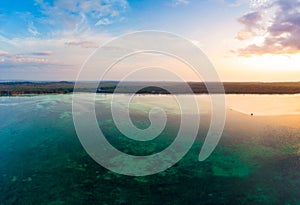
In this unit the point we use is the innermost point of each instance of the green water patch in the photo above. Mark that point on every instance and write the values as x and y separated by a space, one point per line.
228 166
43 162
65 115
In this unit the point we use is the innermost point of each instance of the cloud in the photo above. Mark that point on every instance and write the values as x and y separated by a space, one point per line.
3 53
76 14
253 4
62 53
32 64
180 2
41 53
83 44
277 24
21 59
38 53
104 21
16 61
250 19
32 29
26 52
251 23
31 59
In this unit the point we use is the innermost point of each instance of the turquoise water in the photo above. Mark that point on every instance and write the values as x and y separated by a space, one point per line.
43 162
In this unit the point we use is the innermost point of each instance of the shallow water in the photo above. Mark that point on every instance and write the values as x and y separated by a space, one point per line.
43 162
265 104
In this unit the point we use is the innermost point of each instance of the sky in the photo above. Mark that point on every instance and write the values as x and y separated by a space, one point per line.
246 40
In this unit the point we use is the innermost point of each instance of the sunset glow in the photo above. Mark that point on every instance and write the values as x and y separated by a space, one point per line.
245 40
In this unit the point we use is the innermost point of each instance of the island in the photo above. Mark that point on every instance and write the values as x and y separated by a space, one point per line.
65 87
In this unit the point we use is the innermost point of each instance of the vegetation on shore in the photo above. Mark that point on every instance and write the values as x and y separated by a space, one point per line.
27 88
63 87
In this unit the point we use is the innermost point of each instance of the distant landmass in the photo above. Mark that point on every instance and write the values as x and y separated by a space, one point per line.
64 87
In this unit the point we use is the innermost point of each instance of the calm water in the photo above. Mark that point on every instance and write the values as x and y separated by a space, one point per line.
43 162
265 104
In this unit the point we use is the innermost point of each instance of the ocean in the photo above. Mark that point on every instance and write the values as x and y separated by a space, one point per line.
257 160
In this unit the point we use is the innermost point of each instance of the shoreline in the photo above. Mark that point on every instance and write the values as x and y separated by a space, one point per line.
148 94
108 87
